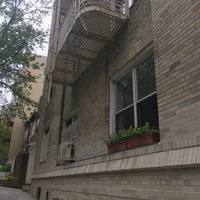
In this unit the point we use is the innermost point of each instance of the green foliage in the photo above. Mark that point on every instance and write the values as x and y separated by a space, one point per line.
115 137
20 33
129 133
5 168
7 112
5 134
10 178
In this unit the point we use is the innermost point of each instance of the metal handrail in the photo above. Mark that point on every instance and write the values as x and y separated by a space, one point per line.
112 5
69 133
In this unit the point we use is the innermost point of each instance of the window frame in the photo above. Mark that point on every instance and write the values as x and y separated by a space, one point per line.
73 117
67 143
131 66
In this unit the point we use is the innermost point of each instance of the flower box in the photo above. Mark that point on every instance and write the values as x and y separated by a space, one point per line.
120 146
132 138
142 140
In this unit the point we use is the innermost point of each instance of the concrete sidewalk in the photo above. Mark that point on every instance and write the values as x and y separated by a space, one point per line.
13 194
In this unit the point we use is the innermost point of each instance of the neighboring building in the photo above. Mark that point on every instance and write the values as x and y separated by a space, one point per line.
16 144
29 142
111 66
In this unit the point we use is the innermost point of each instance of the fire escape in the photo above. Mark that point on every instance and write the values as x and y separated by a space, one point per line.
80 29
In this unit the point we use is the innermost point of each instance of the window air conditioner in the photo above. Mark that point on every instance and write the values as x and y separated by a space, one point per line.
66 151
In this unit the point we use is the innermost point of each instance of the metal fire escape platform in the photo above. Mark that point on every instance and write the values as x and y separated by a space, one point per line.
86 27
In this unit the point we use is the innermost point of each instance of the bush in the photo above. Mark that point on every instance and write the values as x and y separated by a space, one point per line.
10 178
5 168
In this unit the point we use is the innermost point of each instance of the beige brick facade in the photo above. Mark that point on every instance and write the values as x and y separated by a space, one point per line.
176 30
167 170
159 184
18 127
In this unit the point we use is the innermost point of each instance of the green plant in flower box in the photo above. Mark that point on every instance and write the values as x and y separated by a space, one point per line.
116 137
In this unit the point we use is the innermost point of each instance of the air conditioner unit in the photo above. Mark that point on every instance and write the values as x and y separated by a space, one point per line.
66 151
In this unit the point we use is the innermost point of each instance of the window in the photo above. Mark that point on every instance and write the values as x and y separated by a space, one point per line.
125 109
136 99
51 92
49 88
69 131
66 149
147 109
33 128
44 146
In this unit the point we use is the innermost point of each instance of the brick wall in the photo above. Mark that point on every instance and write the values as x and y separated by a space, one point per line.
164 171
132 38
176 32
90 94
52 123
171 184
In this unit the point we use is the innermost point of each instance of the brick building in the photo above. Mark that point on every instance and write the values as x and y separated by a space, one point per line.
112 64
18 152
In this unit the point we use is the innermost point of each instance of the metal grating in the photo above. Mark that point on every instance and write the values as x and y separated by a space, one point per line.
69 133
87 26
65 6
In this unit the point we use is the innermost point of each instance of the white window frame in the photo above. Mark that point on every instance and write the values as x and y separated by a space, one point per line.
131 66
70 127
68 137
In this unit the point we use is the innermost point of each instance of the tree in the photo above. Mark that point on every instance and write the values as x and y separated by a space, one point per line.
5 134
20 34
7 113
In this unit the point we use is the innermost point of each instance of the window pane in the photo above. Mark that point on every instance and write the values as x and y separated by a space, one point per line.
148 112
125 119
68 122
124 92
146 83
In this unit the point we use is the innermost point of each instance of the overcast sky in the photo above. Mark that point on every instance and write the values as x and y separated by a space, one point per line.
46 24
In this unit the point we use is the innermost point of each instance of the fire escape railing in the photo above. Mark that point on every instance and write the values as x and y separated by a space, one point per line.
75 21
120 7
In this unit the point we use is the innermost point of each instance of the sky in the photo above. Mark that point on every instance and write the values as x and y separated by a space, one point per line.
46 24
42 52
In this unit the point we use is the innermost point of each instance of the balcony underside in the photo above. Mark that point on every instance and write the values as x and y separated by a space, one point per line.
91 31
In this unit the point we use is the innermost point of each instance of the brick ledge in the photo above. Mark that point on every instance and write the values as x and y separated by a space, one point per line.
178 158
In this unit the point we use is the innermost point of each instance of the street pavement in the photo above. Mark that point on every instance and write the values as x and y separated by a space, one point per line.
13 194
